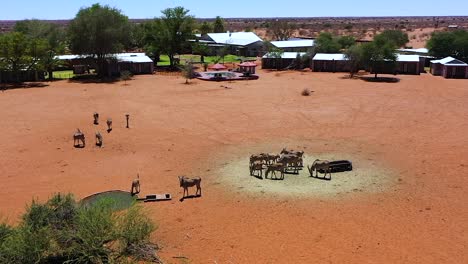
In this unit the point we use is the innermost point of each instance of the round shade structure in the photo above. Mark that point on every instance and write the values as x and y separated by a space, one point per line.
218 67
247 67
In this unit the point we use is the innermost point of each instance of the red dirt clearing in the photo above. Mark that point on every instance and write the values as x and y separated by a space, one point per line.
417 129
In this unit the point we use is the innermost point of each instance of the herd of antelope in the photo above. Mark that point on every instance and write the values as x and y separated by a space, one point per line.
287 161
79 140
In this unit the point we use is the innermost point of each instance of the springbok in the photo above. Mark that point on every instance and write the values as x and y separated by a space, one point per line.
135 185
273 168
96 118
186 182
291 161
77 137
98 139
256 166
257 157
319 166
109 124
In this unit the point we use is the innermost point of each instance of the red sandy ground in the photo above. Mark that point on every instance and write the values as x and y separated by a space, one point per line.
418 127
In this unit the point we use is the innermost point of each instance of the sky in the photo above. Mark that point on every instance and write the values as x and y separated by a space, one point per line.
67 9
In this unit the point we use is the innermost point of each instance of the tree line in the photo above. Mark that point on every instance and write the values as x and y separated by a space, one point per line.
99 31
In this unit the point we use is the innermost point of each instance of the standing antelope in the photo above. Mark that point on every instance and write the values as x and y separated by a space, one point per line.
96 118
186 182
109 125
135 185
98 139
256 166
273 168
77 137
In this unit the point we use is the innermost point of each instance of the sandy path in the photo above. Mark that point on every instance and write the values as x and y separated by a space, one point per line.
416 128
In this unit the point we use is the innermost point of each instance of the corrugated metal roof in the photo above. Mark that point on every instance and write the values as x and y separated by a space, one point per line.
128 57
286 55
133 57
293 43
449 61
341 57
235 38
421 50
329 56
407 58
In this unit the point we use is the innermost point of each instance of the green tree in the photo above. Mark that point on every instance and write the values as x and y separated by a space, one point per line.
202 50
19 53
397 37
36 29
326 43
52 33
444 44
281 29
218 25
377 54
152 39
354 55
346 41
205 28
99 31
176 27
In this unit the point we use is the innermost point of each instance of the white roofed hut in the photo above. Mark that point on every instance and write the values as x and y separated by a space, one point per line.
281 61
449 67
337 62
239 43
136 63
330 62
296 45
404 64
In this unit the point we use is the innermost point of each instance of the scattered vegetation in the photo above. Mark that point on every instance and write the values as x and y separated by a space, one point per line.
125 76
188 72
61 230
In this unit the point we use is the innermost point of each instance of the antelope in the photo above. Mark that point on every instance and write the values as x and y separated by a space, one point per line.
98 139
320 165
256 166
135 185
96 118
186 182
273 168
299 154
77 137
109 124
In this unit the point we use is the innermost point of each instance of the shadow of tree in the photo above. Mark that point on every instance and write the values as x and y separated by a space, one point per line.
92 78
26 85
381 79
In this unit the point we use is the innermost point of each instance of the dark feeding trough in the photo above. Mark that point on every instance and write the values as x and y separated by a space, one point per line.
340 166
157 197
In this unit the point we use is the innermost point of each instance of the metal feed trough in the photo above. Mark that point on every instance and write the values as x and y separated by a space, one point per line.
340 166
157 197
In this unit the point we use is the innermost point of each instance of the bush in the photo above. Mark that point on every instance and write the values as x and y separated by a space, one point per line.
125 76
305 92
61 230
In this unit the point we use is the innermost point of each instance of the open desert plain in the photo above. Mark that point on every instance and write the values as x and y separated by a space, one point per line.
404 202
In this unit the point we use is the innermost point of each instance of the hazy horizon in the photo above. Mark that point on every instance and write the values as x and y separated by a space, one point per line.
147 9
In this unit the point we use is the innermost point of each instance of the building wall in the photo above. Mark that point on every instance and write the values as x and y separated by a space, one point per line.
273 63
455 72
330 66
23 76
436 69
408 68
